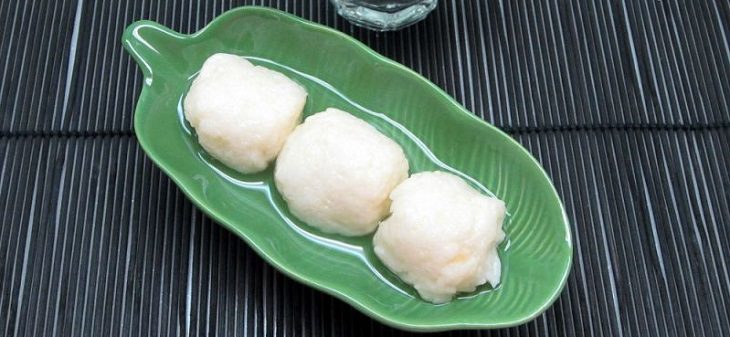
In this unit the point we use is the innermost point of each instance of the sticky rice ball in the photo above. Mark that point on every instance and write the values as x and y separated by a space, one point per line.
242 113
441 236
336 172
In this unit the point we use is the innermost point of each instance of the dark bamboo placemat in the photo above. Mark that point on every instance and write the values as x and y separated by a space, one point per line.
626 104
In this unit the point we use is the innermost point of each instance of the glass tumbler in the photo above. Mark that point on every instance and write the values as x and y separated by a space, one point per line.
384 15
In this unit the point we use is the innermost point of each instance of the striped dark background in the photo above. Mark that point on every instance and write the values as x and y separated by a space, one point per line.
626 104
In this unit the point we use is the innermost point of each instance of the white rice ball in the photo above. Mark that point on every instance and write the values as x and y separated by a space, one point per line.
242 113
442 236
336 172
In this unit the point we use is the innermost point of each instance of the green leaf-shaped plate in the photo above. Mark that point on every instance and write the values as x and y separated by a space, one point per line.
433 129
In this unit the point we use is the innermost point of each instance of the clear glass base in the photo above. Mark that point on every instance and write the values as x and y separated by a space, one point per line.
384 15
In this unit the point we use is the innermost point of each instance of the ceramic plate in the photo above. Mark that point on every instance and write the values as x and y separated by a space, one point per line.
434 130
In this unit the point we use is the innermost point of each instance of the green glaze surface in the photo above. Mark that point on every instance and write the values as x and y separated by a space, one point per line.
433 129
